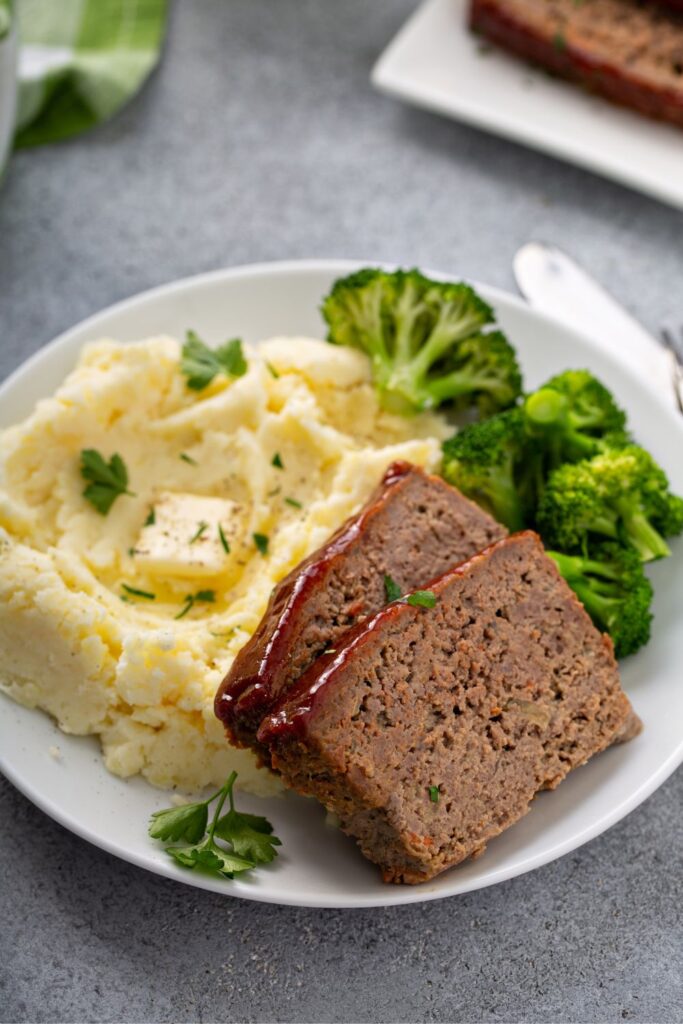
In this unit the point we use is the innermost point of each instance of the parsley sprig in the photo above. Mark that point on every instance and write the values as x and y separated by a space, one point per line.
418 599
107 480
249 837
202 527
391 589
261 540
201 364
207 596
422 599
135 592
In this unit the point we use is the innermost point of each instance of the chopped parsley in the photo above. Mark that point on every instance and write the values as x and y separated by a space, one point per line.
187 458
434 794
261 542
272 371
277 461
207 596
249 837
151 517
422 599
107 480
199 532
134 592
419 599
200 364
560 42
293 502
391 589
221 537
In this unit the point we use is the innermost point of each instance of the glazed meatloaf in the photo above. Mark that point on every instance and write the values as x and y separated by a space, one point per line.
627 51
431 729
413 528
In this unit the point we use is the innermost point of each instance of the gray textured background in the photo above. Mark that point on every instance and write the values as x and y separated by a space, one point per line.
259 139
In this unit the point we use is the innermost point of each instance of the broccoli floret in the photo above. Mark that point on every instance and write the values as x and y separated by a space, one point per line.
593 409
572 417
621 494
482 460
614 590
425 339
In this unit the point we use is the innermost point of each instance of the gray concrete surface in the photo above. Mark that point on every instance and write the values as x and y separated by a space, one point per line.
259 139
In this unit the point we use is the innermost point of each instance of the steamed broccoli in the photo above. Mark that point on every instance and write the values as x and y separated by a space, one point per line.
621 494
426 341
572 417
614 590
483 461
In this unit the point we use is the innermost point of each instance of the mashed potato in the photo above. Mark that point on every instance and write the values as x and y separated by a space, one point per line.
287 451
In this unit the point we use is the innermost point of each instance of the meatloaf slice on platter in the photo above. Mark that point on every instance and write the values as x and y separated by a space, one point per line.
629 51
430 730
413 528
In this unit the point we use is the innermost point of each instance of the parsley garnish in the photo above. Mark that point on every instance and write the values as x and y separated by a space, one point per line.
391 589
422 599
200 531
434 794
151 517
138 593
250 837
187 458
293 502
277 461
272 371
107 479
418 599
208 596
559 42
201 364
224 543
261 542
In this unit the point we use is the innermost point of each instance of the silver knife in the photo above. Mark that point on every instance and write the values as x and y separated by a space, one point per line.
551 281
674 343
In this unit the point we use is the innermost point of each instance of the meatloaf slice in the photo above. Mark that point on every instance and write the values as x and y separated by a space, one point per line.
413 528
627 51
430 730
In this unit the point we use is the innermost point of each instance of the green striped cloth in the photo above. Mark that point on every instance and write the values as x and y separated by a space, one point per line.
80 61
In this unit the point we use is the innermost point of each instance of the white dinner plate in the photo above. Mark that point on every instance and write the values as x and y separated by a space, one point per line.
318 865
436 62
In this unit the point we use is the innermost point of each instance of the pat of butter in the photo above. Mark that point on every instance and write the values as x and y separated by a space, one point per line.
185 537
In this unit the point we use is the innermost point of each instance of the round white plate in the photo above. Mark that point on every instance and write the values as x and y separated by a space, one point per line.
318 865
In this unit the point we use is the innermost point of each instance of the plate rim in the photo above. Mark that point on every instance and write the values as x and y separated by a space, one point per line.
389 896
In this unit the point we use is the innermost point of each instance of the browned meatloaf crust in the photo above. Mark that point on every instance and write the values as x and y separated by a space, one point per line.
431 729
413 528
628 51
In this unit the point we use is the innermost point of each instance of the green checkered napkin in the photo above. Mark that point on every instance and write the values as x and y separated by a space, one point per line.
5 17
80 61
